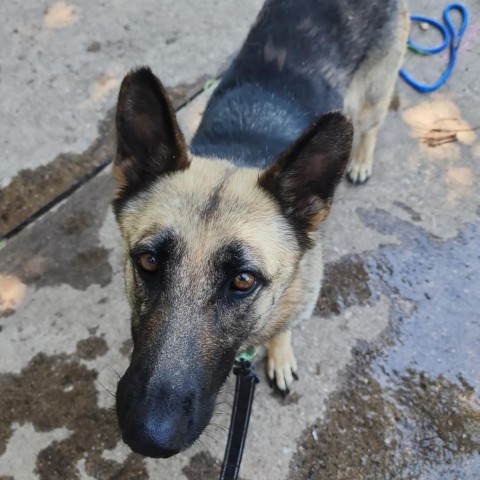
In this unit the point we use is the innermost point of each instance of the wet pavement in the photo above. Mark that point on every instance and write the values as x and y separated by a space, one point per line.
409 407
32 192
60 71
389 363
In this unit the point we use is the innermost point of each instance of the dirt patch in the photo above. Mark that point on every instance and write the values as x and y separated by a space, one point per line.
91 348
422 426
351 443
57 391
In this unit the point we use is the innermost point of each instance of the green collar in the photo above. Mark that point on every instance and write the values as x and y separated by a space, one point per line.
247 355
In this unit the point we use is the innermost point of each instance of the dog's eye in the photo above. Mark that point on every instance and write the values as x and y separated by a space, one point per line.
243 282
148 262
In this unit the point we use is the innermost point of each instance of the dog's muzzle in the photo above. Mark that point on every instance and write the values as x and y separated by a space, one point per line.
162 413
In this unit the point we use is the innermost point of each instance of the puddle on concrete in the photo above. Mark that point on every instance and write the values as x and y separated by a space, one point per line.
345 283
410 405
58 391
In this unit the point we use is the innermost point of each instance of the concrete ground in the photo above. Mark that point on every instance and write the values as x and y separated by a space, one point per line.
390 362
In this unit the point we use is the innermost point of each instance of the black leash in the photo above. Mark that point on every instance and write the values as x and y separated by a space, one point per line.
242 408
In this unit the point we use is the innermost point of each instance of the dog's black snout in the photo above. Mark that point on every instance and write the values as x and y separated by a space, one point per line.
154 434
164 402
158 418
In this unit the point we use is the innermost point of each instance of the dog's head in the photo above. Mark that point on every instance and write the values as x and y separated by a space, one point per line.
209 251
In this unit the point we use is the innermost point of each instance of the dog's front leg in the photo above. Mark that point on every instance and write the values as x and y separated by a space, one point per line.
282 364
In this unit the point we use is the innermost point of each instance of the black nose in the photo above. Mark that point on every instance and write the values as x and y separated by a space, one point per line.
152 434
154 414
162 411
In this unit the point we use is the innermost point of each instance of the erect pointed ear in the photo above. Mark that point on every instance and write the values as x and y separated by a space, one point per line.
304 177
149 140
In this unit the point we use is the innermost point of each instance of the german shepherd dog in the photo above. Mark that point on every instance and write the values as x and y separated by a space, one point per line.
222 244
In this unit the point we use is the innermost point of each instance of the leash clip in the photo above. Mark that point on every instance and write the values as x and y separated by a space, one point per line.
245 368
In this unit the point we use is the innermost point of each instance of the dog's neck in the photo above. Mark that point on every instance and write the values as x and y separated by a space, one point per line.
252 126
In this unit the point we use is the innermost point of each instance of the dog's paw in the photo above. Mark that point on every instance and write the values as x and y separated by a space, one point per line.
282 367
359 173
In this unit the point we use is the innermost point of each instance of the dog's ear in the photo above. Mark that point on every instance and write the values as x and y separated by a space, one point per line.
304 177
149 140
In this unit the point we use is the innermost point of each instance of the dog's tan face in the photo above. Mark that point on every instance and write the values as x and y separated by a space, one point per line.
218 224
210 250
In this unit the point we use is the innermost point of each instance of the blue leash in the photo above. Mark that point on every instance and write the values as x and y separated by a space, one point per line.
451 37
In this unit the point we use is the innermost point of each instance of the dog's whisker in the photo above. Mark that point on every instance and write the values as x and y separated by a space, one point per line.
210 435
114 371
202 444
221 427
194 447
228 392
124 447
106 389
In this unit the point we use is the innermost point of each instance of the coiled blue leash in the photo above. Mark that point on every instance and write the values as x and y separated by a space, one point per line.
451 37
